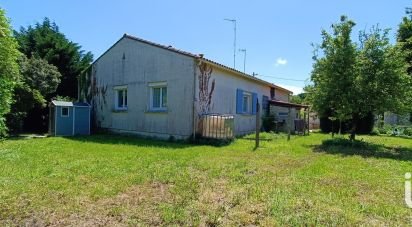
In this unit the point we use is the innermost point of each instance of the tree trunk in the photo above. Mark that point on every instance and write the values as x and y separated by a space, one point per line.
333 130
355 119
340 127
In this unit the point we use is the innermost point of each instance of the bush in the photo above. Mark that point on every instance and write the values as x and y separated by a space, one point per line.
407 132
385 129
268 123
375 132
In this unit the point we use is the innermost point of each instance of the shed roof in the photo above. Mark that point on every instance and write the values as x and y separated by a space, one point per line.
64 103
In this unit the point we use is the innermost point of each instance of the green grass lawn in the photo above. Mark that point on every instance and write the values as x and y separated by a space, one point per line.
117 180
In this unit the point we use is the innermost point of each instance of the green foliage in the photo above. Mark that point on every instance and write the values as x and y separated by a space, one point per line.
48 49
64 98
268 123
352 80
44 40
299 98
37 81
404 38
385 129
8 68
407 132
39 75
375 132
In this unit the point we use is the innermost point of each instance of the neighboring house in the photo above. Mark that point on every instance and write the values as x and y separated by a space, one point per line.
142 87
396 119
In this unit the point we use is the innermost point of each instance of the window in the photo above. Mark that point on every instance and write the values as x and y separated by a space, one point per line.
65 111
247 103
121 98
158 96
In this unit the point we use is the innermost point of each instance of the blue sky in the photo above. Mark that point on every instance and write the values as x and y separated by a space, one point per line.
276 34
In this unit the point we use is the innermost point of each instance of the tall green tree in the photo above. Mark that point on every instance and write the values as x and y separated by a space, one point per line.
38 79
356 79
404 39
44 40
334 71
8 68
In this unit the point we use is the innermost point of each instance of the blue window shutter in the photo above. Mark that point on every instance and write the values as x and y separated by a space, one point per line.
254 102
239 97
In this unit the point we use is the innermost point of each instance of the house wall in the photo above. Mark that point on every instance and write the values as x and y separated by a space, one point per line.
224 97
64 125
135 65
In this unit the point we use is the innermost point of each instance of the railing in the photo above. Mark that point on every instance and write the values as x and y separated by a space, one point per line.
217 126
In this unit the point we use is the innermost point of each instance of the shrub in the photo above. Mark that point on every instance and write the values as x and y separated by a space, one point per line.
268 123
375 132
407 132
386 129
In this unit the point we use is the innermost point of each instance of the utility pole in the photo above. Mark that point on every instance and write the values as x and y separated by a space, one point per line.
244 59
234 42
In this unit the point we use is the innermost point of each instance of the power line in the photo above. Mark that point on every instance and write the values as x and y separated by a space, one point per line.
281 78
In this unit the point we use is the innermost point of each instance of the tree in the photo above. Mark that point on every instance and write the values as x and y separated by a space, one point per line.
38 79
8 68
353 80
334 72
404 39
40 75
299 98
44 40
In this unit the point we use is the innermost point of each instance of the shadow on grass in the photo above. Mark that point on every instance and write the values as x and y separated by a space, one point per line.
345 147
145 142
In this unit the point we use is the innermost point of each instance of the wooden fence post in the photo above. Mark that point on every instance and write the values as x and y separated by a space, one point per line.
257 124
289 123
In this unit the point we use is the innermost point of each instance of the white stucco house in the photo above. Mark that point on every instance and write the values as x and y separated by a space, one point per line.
149 89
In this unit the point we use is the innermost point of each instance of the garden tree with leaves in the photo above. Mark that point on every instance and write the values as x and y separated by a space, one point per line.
8 68
404 39
334 72
352 80
299 98
44 40
38 80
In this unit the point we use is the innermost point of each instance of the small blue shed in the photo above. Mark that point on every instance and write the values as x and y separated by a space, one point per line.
69 118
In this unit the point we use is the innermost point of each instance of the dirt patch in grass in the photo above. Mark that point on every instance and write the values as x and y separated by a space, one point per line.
137 204
220 203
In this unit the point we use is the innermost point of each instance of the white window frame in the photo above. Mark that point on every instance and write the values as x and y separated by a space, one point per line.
247 95
158 85
61 111
117 89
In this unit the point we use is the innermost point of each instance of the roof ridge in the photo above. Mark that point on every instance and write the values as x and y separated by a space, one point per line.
196 56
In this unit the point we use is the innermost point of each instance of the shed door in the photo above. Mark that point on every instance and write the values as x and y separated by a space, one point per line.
82 121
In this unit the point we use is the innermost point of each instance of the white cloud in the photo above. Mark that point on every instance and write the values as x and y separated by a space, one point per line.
281 61
295 89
